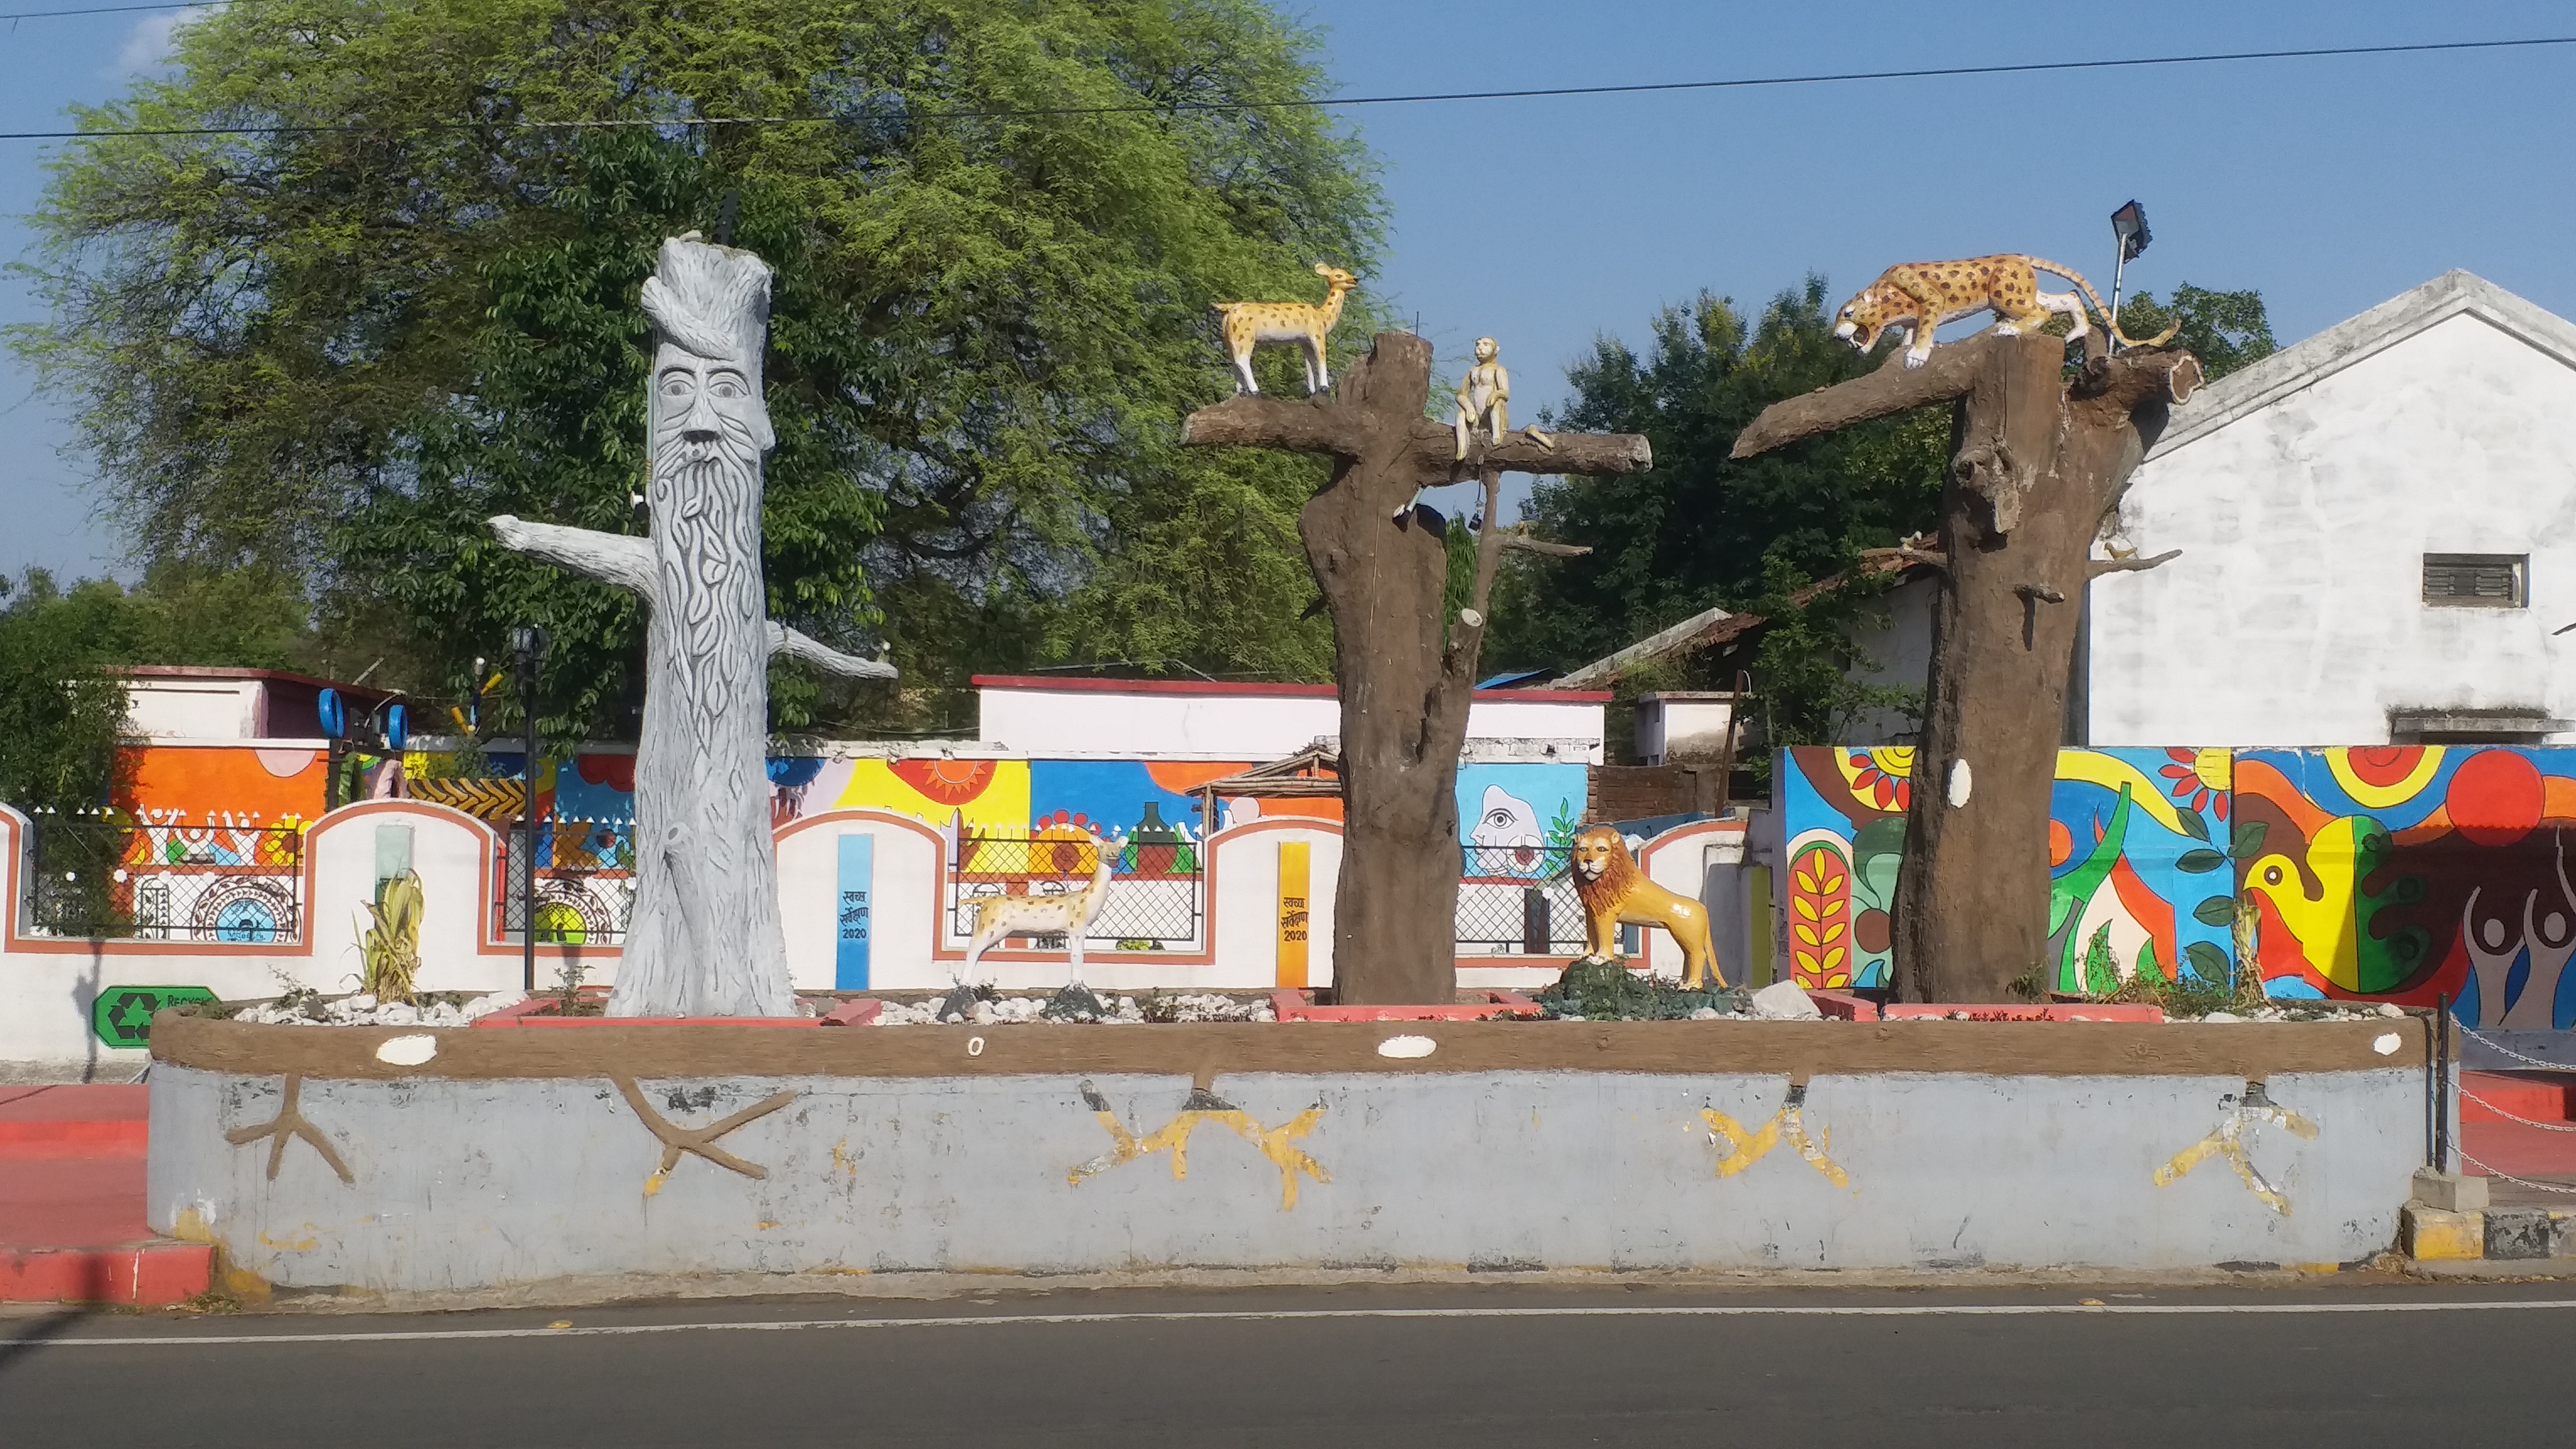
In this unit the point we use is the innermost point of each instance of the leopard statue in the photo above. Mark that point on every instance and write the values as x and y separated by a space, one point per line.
1923 295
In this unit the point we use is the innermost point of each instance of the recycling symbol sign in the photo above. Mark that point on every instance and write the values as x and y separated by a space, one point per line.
122 1015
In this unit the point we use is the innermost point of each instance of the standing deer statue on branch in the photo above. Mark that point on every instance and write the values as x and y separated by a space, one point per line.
705 937
1248 324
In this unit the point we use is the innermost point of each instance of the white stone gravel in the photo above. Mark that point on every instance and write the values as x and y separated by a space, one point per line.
364 1010
1122 1011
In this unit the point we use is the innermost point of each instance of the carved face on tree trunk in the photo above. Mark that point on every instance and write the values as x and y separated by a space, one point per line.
706 416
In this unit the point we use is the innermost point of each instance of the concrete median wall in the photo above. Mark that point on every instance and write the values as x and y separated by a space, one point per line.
479 1181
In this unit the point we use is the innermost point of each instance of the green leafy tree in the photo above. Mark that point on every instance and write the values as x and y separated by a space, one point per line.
60 701
58 710
335 344
1702 530
1806 662
2225 330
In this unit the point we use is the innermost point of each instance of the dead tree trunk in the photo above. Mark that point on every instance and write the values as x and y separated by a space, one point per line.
1406 671
2037 462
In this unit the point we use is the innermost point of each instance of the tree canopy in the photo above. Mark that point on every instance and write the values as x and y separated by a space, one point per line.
60 703
1705 530
1701 529
333 342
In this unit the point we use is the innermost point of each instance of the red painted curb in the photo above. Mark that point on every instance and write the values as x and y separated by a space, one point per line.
1843 1004
1290 1004
1860 1008
144 1275
538 1011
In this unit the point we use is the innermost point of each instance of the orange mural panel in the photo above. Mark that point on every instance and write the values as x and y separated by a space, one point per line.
191 784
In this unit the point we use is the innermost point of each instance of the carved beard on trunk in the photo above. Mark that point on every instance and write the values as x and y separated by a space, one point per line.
706 509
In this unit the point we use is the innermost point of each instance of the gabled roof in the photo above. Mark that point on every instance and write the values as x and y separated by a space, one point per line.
1716 628
2311 361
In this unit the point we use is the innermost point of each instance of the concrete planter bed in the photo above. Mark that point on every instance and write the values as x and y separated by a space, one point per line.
394 1159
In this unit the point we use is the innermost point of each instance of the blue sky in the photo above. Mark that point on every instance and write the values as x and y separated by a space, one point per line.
2331 185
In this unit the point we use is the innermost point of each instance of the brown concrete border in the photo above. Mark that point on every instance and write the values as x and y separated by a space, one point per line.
1200 1051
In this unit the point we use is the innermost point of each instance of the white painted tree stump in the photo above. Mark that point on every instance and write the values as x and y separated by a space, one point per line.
704 938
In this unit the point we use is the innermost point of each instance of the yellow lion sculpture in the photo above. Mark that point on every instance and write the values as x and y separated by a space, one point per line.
1615 893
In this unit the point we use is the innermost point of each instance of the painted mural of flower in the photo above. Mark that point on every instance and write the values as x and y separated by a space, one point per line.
2199 779
1881 782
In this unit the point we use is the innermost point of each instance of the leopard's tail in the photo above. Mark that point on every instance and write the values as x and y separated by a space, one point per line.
2072 275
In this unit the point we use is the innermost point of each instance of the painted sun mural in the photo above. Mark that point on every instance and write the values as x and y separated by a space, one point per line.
2411 873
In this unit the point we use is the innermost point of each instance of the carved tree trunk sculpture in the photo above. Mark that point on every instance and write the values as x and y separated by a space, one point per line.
2037 462
1406 672
704 937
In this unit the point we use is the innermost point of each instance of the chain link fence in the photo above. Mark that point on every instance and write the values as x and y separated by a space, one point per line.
1518 900
108 879
1155 898
585 884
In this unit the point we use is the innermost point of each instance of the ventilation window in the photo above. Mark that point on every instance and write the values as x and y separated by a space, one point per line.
2477 580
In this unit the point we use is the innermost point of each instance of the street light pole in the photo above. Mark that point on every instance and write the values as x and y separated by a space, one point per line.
2129 228
527 649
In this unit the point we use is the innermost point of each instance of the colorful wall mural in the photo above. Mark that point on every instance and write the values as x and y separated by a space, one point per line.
222 784
2137 860
2411 873
1520 817
1517 812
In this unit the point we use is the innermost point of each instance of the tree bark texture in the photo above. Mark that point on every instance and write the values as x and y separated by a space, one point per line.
703 937
1406 672
2037 463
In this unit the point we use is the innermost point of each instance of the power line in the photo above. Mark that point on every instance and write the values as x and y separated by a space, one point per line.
114 9
1328 102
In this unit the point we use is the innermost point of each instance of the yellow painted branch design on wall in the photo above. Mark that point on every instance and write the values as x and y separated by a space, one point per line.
1275 1143
2233 1138
1745 1146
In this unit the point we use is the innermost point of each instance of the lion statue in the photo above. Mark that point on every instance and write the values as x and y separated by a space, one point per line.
1615 893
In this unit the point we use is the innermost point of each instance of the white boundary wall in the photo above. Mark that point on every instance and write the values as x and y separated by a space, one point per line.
48 985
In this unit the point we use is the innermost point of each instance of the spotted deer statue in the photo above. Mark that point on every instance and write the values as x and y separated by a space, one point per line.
1070 913
1248 324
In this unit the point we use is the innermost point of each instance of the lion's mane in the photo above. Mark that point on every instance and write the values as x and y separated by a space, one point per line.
1618 876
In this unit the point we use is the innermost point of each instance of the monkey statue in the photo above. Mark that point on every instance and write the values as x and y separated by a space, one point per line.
1485 397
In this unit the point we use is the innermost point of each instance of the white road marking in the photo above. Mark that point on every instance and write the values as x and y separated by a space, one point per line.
1911 1310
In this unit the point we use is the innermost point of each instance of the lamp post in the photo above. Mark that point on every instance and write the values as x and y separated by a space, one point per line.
527 651
2129 228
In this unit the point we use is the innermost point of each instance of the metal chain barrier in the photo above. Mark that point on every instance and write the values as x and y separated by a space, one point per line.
2468 1096
2501 1049
2518 1181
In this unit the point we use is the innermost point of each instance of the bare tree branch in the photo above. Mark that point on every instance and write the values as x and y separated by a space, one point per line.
1470 631
1309 425
1590 454
1895 388
2096 568
1514 538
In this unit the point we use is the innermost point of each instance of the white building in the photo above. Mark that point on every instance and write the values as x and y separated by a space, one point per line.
2378 541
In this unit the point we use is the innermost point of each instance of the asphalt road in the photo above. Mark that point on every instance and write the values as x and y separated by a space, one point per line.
2334 1364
